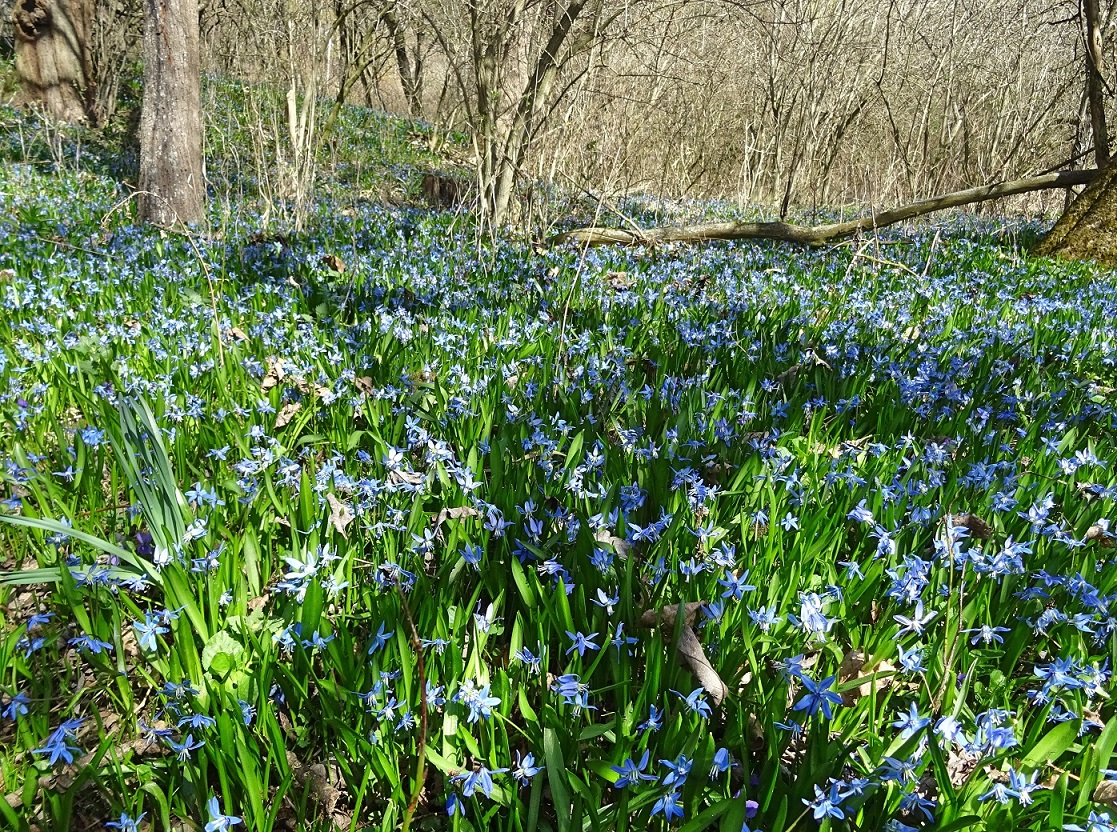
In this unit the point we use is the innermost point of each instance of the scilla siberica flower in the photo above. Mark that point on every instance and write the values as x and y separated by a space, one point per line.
477 700
219 822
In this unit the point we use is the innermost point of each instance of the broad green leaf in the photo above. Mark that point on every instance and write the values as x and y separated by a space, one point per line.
556 778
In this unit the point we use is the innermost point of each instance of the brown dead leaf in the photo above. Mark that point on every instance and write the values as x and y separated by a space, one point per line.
364 384
308 389
619 281
455 514
619 544
236 333
689 647
850 667
665 616
316 778
977 527
959 766
275 374
756 738
857 668
286 414
333 263
1099 533
409 477
1106 792
340 514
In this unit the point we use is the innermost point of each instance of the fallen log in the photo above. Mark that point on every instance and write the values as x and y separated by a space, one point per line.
817 235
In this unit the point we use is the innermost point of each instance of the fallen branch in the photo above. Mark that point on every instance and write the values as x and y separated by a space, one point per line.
819 234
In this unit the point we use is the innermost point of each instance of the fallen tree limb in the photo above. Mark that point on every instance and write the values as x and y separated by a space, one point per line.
819 234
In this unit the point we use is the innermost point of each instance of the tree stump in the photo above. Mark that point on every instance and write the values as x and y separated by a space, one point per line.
443 193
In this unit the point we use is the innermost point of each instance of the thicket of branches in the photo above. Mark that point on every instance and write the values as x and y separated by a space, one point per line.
782 102
787 103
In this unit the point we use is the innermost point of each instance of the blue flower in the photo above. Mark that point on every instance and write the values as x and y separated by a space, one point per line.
525 768
631 772
472 556
454 805
696 702
532 662
826 804
87 643
736 585
184 749
58 746
582 642
722 763
677 771
480 779
573 691
199 721
819 697
380 640
654 721
126 823
606 601
911 722
477 700
146 632
669 806
217 821
15 707
811 620
916 621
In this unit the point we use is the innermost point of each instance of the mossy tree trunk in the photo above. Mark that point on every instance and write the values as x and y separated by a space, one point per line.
53 57
172 178
1088 228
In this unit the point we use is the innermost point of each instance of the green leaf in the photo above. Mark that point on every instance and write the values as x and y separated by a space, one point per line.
556 778
527 594
222 651
1053 745
962 823
55 527
708 817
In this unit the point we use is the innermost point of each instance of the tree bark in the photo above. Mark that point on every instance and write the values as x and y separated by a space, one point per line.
1088 228
820 234
172 177
409 66
53 58
1095 84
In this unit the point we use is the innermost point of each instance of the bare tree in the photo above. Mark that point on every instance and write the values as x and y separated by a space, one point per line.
511 61
1095 83
172 179
409 49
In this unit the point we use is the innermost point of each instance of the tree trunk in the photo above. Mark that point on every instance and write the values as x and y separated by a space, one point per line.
1088 228
172 179
410 66
1095 83
52 56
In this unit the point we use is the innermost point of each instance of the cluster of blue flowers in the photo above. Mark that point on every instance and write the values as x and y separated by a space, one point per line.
882 496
